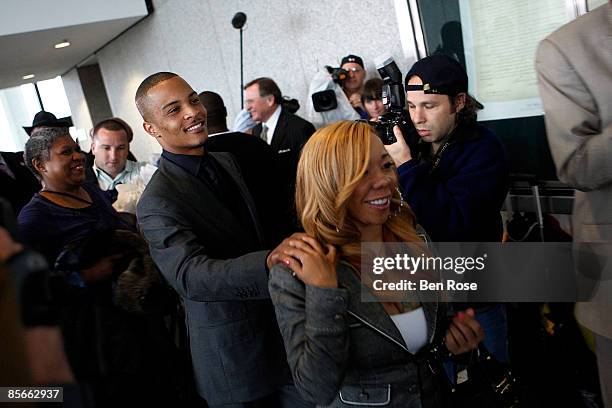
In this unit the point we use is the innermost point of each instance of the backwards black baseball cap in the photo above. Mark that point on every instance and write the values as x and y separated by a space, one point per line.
440 75
352 58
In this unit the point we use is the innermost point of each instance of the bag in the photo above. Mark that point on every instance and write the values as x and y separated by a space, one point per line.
485 382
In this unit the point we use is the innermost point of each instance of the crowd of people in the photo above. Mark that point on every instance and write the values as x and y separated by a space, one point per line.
228 273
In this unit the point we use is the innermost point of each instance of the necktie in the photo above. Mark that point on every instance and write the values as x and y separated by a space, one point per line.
264 133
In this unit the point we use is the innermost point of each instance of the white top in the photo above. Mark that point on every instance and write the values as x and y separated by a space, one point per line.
271 124
413 328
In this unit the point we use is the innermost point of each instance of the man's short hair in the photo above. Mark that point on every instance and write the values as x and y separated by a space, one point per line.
215 108
267 87
144 87
113 124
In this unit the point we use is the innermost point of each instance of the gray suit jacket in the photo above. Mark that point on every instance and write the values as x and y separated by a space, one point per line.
218 268
344 351
574 66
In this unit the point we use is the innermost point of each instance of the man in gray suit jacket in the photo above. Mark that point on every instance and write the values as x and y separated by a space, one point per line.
574 66
204 235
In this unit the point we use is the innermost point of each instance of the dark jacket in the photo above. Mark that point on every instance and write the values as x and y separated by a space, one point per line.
461 199
290 135
217 266
259 167
342 350
19 190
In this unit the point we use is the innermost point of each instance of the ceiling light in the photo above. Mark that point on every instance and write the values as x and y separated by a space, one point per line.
63 44
29 76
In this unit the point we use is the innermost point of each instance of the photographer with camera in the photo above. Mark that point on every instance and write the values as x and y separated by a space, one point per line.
456 177
353 84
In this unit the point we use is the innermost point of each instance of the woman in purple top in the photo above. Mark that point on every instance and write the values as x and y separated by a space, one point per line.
66 209
117 357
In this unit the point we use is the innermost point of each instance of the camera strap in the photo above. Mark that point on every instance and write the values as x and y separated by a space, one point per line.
438 156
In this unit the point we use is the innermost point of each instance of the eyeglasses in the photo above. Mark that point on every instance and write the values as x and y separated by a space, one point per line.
354 69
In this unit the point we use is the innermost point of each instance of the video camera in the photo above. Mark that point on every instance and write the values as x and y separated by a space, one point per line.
325 100
394 99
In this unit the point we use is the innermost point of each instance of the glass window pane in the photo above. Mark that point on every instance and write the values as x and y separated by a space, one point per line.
54 97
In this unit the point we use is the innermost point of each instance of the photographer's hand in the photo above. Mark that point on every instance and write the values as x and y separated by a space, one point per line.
355 100
399 151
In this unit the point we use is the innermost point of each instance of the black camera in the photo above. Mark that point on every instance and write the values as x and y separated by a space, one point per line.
394 99
338 74
324 101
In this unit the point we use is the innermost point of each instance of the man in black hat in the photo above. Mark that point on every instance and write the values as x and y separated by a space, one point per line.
44 119
353 85
456 177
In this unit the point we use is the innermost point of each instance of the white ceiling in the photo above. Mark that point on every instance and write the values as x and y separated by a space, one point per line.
33 52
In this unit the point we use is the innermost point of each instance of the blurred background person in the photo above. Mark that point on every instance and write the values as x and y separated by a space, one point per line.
259 167
353 85
372 99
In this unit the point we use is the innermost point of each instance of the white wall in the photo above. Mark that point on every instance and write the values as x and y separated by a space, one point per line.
287 40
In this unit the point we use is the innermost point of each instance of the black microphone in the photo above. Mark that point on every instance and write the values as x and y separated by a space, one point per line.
239 20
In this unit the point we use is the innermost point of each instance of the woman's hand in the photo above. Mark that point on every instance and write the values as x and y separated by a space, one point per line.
305 256
464 333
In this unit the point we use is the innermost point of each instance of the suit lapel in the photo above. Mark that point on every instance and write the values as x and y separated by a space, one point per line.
280 132
244 192
202 199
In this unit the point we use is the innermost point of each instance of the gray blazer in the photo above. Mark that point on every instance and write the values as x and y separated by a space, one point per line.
218 268
344 351
574 66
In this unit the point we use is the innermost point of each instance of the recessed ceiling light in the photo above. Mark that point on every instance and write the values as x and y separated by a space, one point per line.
29 76
63 44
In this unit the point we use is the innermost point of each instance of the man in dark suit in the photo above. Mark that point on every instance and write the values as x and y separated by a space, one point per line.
17 183
285 132
204 235
259 167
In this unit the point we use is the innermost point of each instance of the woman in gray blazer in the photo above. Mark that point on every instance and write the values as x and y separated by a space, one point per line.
342 351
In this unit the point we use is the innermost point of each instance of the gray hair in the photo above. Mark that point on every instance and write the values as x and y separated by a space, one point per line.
38 146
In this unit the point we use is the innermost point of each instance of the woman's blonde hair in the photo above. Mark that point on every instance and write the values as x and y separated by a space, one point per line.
333 162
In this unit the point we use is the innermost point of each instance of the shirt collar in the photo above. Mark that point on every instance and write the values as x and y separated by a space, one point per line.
188 162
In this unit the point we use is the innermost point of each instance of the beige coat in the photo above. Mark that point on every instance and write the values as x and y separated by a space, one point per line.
574 66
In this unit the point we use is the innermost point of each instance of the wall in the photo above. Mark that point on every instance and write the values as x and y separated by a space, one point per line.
288 40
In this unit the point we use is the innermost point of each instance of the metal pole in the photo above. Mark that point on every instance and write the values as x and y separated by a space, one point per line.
42 108
241 75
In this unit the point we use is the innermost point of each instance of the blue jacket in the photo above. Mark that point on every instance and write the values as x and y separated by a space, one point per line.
460 200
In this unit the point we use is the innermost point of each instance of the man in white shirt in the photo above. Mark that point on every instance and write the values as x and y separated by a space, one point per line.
285 132
111 147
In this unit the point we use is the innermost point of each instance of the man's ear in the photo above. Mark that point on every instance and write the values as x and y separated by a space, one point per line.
460 101
39 165
93 146
270 100
150 129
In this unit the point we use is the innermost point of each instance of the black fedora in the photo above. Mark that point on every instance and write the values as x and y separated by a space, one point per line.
47 119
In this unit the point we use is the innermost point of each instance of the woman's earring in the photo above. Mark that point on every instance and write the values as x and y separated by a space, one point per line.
398 210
